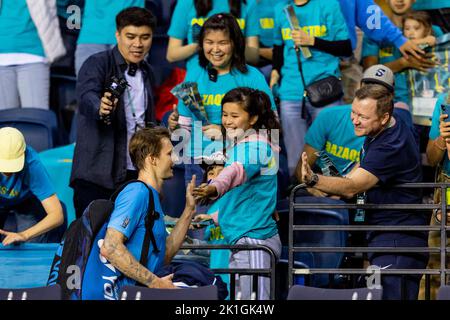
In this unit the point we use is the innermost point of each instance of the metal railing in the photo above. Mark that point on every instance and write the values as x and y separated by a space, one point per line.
442 250
270 272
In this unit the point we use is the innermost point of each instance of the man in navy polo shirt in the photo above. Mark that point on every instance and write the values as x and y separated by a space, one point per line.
389 156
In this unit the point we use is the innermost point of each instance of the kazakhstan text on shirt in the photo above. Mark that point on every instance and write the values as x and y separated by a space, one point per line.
12 194
201 21
342 152
316 31
212 99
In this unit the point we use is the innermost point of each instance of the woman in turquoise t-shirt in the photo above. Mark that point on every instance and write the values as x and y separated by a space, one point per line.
30 40
221 68
324 32
190 15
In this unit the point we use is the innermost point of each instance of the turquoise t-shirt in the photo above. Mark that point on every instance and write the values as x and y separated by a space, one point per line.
32 180
185 17
333 132
322 19
266 11
387 53
18 33
98 24
128 217
212 94
431 4
250 206
434 130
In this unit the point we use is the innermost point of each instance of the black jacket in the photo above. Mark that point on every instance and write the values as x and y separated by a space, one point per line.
100 151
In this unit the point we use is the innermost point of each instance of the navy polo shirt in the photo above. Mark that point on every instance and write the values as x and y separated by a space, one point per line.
394 158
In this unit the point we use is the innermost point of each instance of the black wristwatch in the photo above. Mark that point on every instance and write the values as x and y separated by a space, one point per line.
313 181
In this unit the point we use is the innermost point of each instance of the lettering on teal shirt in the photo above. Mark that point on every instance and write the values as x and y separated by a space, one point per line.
342 152
12 194
212 99
316 31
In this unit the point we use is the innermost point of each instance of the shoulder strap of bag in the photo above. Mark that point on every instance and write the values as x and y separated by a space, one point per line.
149 222
300 69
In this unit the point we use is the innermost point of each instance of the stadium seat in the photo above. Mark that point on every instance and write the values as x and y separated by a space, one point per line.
315 238
281 281
63 101
38 126
282 177
174 193
443 293
58 163
40 293
26 265
310 293
143 293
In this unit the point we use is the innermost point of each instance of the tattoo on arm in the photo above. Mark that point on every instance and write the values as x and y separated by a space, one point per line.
115 251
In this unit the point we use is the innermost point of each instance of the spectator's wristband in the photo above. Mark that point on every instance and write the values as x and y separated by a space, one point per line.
341 48
278 58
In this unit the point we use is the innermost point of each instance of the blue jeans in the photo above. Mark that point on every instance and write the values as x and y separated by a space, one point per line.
294 128
266 70
26 86
84 51
26 214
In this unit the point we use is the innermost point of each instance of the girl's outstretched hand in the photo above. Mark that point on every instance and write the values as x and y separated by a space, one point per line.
204 191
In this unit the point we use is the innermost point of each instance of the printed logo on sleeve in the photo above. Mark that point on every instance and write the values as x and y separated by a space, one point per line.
125 222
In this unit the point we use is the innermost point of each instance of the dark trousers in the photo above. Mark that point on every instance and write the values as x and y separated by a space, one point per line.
24 215
85 192
393 285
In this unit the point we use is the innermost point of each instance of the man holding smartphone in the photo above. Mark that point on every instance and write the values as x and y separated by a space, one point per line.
438 154
439 134
105 125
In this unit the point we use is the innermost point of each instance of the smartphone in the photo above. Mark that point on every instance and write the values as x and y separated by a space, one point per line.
445 109
203 223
